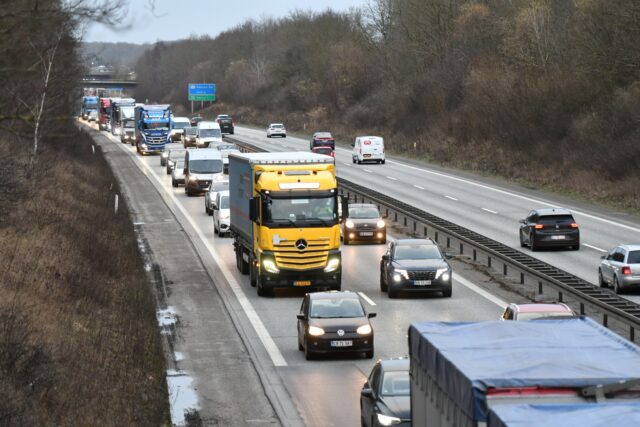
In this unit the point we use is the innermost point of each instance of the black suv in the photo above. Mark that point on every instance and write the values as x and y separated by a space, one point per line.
549 228
415 265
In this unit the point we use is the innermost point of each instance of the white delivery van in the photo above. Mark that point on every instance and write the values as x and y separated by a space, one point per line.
208 133
368 149
177 127
201 167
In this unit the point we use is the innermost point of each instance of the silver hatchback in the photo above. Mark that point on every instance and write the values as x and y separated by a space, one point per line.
620 268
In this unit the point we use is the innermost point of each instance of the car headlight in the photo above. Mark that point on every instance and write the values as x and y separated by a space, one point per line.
271 267
193 178
364 329
224 216
144 145
444 272
315 331
381 224
332 265
126 137
170 162
165 154
386 420
398 274
349 224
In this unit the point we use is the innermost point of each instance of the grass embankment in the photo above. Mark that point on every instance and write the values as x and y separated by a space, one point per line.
79 343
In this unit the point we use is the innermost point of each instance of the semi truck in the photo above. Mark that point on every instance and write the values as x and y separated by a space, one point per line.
152 128
459 372
104 114
284 220
89 103
121 108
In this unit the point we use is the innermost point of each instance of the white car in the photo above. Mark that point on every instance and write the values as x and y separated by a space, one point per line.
216 186
368 149
93 116
221 213
276 129
177 174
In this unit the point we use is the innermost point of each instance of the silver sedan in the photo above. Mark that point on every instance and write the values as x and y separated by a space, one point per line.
620 268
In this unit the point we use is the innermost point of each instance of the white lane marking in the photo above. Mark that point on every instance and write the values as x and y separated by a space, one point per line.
490 211
475 288
367 170
392 178
268 342
366 298
418 187
594 247
346 164
451 198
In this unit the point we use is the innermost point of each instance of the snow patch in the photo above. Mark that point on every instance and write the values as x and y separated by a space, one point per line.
182 397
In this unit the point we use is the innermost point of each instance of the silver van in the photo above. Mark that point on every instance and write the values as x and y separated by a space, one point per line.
200 168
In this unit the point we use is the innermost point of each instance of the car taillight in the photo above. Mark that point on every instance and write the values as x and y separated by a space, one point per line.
626 270
574 225
539 226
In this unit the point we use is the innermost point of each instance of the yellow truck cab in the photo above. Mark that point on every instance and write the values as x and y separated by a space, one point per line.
284 220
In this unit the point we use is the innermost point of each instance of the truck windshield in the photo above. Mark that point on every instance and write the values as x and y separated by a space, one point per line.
296 212
205 166
155 125
210 133
128 124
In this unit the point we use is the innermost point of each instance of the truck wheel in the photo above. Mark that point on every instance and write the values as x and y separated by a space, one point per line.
253 274
243 264
262 291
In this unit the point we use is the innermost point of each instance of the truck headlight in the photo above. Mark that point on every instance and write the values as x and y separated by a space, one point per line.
386 420
398 274
364 330
315 331
444 273
349 224
143 145
381 224
332 265
270 266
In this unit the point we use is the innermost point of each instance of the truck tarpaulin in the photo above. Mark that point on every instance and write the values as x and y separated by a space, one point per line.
467 360
583 415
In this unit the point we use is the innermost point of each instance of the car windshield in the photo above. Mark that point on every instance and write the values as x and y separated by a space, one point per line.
180 125
210 133
277 126
294 212
219 186
395 383
542 315
326 308
179 165
173 154
417 252
205 166
634 257
129 124
364 212
224 202
190 130
555 219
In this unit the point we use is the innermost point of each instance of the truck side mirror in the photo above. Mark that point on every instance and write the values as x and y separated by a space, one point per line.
254 209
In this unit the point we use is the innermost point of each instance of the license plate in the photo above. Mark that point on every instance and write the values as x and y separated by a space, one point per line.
302 283
367 155
557 237
343 343
422 282
366 233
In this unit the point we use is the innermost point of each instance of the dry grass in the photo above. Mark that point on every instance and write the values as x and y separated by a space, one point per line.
79 343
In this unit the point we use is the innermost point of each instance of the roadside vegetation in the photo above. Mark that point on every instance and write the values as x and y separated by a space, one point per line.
546 92
79 342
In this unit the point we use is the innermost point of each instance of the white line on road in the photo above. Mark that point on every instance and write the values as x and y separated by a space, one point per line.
418 187
392 178
475 288
367 170
451 198
366 298
594 247
346 164
490 211
262 332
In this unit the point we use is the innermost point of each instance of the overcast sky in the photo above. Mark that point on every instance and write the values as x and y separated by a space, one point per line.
177 19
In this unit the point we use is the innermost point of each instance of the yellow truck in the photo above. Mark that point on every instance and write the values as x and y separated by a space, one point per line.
285 220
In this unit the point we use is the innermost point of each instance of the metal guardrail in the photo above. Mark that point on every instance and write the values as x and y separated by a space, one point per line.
495 254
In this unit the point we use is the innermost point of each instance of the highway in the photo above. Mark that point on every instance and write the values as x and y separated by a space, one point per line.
325 392
480 204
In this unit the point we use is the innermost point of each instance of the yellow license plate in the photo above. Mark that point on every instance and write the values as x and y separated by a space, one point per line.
302 283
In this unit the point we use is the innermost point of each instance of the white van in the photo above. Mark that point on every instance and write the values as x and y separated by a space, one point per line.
368 149
201 167
177 127
208 133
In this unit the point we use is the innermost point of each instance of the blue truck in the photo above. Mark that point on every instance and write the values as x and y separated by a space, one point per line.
152 128
89 103
467 374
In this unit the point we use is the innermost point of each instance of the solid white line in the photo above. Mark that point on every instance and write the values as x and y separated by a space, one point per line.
489 210
366 298
392 178
594 247
475 288
268 342
418 187
346 164
451 198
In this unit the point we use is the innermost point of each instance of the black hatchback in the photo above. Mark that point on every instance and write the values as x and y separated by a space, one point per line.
385 399
550 227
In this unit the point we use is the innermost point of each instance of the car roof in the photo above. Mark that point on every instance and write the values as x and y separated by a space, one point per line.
322 134
397 364
362 205
334 295
552 211
180 119
414 242
631 247
542 308
276 124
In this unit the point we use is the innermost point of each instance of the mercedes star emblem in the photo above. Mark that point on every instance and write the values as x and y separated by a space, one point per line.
340 333
301 244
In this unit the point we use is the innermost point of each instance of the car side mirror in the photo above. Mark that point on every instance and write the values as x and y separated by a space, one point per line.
370 315
603 256
366 392
523 221
214 206
301 317
385 257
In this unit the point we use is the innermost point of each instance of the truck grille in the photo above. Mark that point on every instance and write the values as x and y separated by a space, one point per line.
155 140
314 256
422 275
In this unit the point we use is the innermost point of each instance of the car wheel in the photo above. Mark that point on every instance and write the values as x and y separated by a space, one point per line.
616 285
601 281
392 293
383 162
220 233
447 292
369 354
308 354
300 347
206 208
174 183
359 161
383 284
353 159
345 240
576 247
383 241
522 245
532 243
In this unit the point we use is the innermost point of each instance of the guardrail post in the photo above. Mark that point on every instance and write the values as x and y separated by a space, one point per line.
504 269
632 334
605 320
522 278
539 288
436 237
425 231
489 261
405 221
475 255
461 249
559 296
448 242
581 308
